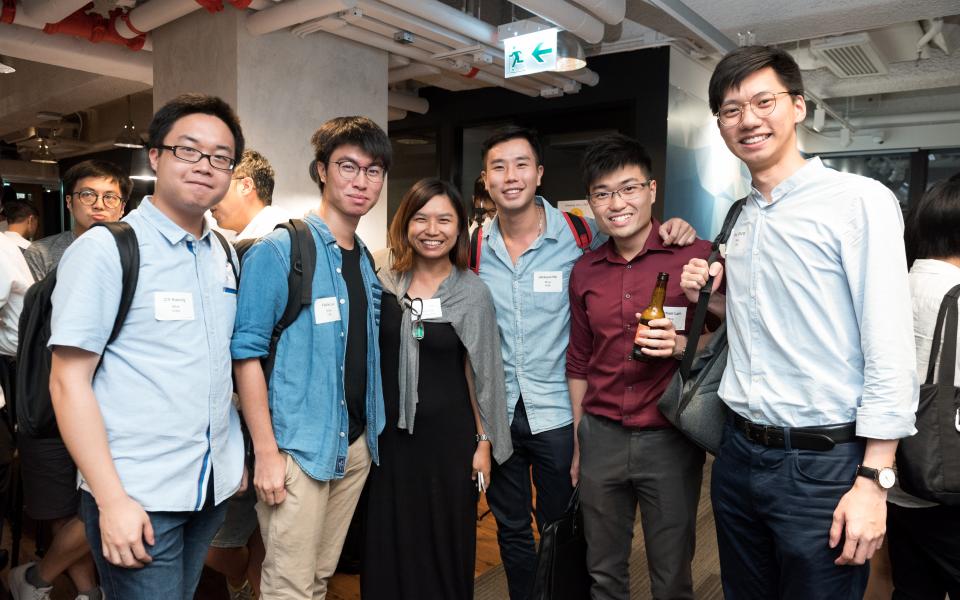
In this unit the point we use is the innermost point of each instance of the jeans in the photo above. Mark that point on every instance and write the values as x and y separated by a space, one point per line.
182 540
549 454
773 509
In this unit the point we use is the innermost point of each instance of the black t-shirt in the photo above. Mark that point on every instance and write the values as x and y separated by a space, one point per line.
355 361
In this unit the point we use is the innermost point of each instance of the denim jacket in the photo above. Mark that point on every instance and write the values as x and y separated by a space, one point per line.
306 392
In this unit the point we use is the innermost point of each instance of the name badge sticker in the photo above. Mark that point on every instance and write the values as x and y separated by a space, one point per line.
677 314
737 244
229 279
325 310
431 309
548 281
173 306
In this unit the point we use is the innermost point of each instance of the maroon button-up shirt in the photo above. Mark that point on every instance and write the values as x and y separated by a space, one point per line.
606 292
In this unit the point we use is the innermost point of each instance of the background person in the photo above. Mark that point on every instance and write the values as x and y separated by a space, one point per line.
22 222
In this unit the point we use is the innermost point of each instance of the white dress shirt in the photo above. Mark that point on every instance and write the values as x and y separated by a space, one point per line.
263 223
21 242
15 278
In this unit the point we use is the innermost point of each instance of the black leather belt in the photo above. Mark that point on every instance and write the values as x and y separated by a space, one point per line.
822 437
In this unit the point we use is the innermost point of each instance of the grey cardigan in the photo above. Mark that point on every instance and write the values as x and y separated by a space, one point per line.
468 306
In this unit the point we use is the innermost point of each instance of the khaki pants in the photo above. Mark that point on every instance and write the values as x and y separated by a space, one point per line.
304 534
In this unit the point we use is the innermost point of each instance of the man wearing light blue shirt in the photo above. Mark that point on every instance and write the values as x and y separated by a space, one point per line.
527 255
820 377
153 430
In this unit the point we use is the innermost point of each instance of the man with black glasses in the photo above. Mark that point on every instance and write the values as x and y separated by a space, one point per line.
315 418
820 375
96 192
153 430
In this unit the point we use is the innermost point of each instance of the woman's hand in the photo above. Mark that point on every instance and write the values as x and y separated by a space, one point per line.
482 463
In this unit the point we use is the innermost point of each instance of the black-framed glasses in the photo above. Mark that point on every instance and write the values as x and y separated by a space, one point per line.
762 104
628 193
416 312
90 197
349 170
221 162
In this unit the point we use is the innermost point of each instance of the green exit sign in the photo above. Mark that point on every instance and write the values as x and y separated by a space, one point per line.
530 53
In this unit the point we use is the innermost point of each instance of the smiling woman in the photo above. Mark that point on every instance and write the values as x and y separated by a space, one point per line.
441 366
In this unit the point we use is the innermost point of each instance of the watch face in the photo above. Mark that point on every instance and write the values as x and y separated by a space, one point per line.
887 478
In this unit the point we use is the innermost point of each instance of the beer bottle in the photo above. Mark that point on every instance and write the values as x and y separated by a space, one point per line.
654 310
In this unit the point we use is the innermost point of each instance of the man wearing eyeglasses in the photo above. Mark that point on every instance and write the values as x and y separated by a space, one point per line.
315 418
96 192
153 430
248 206
627 452
820 377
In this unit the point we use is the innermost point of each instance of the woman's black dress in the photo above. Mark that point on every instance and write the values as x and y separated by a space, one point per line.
420 540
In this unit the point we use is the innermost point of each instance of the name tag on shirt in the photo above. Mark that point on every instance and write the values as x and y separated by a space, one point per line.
325 310
677 314
548 281
173 306
737 244
431 310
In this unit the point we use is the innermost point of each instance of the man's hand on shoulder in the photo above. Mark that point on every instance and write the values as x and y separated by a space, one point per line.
861 517
677 232
124 526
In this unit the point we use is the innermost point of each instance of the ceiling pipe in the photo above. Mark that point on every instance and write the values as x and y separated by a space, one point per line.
94 28
611 12
63 51
37 13
408 102
151 15
697 24
395 114
413 71
949 116
936 26
293 12
566 16
395 62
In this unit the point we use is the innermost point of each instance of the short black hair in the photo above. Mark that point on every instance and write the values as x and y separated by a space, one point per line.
188 104
97 168
512 132
932 227
610 152
256 166
17 211
743 62
480 190
356 131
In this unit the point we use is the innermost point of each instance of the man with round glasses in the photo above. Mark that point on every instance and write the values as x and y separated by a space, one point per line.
820 378
96 192
148 417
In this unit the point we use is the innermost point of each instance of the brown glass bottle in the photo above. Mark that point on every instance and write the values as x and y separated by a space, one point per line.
654 310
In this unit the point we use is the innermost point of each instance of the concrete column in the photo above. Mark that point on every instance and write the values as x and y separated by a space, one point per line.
283 87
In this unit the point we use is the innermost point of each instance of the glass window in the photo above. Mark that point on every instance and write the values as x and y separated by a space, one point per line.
892 170
942 164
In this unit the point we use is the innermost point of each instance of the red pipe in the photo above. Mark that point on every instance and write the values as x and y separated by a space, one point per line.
9 11
94 27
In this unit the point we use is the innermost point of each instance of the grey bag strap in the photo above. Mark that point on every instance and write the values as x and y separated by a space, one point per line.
700 315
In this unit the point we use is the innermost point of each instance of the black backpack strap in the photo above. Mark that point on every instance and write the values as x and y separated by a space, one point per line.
126 239
947 306
476 241
226 250
581 231
241 246
303 261
700 314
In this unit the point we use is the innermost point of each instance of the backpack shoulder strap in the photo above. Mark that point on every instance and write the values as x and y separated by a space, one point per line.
126 239
226 250
581 231
303 260
476 243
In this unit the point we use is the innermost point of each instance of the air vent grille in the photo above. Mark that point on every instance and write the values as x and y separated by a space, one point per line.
852 55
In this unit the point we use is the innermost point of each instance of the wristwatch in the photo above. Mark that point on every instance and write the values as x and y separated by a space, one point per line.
885 477
482 437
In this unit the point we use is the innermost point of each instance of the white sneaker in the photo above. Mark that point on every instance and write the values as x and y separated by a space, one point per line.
20 588
86 597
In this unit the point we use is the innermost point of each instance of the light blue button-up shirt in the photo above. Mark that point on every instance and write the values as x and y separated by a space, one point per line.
818 307
164 385
535 325
306 393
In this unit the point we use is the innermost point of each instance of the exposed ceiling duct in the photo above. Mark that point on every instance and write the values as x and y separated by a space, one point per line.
37 13
407 102
611 12
413 71
293 12
566 16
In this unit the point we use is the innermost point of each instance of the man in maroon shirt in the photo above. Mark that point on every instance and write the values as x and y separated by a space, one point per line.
627 453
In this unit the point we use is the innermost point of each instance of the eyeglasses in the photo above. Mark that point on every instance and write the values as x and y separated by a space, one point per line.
192 155
90 197
761 104
349 170
416 311
627 193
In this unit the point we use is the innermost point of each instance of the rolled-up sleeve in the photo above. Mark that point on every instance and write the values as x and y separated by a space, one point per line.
261 299
874 260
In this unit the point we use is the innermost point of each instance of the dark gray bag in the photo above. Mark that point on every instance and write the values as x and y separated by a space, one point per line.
691 401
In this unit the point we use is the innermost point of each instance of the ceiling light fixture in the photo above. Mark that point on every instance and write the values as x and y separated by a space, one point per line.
570 55
128 137
43 155
140 166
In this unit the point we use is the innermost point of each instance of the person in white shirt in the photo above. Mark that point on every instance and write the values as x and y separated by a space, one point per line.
248 207
23 219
